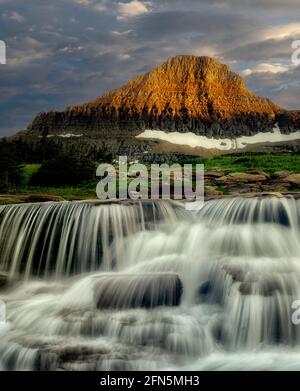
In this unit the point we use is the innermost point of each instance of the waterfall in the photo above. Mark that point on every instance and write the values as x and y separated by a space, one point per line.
141 286
66 238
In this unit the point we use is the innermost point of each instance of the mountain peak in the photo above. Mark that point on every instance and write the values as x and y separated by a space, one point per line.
192 63
185 93
199 87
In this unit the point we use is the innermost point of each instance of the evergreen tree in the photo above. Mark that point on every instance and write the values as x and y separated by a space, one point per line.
65 170
10 167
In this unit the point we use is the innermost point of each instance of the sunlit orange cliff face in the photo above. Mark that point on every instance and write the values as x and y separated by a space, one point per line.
186 93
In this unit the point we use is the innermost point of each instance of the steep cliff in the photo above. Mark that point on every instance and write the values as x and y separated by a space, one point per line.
186 93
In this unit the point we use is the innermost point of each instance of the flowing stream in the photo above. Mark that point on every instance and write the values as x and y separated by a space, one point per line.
150 285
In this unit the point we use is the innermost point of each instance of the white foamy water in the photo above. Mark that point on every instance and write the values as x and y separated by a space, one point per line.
173 289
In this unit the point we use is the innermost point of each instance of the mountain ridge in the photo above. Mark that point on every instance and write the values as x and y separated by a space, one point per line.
200 86
184 94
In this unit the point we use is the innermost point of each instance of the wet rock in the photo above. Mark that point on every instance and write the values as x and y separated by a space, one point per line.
19 199
8 199
265 288
245 288
41 198
235 272
275 188
3 280
271 194
205 288
240 189
120 291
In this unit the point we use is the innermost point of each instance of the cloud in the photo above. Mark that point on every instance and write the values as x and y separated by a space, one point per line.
95 5
14 16
265 68
283 87
53 62
29 50
100 7
268 5
260 51
133 8
282 31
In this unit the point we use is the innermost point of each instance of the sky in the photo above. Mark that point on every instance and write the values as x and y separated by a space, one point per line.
64 52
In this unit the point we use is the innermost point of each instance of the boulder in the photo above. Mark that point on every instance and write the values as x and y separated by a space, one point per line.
280 174
28 198
3 280
268 287
275 187
259 172
40 198
212 191
9 199
241 177
294 179
214 173
149 290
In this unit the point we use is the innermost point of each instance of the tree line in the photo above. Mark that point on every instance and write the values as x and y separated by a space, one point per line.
59 167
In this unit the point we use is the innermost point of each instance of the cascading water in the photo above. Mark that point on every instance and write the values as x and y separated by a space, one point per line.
143 286
69 238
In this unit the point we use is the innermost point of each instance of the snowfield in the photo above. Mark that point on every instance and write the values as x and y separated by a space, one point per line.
192 140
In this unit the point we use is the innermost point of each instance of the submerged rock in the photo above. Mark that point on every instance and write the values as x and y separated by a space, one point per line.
3 280
119 291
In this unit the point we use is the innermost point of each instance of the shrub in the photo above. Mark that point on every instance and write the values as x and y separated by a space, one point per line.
64 170
10 167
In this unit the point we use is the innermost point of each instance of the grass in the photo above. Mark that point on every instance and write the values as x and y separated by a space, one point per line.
229 163
69 193
82 191
269 162
28 171
250 161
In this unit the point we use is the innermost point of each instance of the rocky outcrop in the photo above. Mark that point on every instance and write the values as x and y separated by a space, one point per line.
294 179
149 290
241 177
3 280
186 93
19 199
250 182
288 121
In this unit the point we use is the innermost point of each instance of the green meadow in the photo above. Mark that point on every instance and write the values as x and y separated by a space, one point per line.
229 163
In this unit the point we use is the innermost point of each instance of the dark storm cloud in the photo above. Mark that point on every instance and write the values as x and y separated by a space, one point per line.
68 51
211 26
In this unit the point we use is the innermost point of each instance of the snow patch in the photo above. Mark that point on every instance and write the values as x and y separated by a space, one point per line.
69 135
193 140
63 135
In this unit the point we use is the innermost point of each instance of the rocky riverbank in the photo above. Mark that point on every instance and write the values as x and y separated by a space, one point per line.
218 182
20 199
